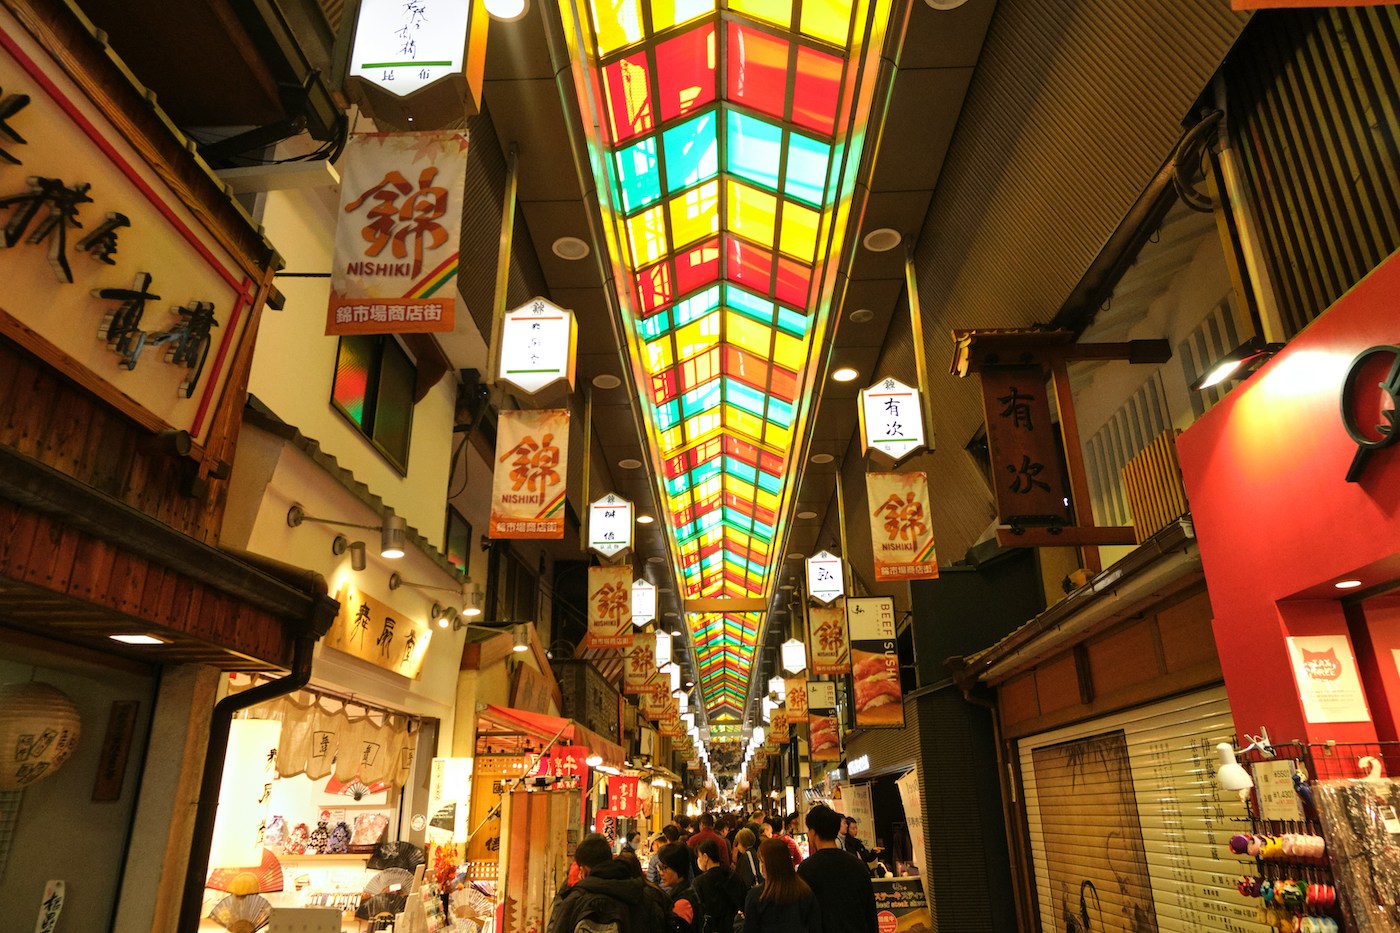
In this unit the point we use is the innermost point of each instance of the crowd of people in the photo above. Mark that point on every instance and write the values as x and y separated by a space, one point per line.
723 873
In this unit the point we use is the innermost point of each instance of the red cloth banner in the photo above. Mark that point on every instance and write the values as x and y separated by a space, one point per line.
622 795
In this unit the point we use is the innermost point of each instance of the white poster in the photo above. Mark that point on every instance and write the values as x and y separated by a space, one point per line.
1324 669
913 801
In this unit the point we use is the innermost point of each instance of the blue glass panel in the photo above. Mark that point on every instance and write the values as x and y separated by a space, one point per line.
652 327
638 180
806 169
697 306
780 412
692 152
701 399
749 304
792 322
668 415
754 149
741 396
740 469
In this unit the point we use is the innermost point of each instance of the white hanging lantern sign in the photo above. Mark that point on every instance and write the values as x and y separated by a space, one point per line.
826 579
537 346
778 686
643 603
794 654
610 527
663 649
891 419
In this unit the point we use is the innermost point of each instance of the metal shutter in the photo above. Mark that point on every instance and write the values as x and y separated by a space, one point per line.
1127 825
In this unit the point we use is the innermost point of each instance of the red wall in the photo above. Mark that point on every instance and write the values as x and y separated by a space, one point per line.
1278 524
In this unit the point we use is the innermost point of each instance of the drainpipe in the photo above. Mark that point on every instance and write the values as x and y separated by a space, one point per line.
317 623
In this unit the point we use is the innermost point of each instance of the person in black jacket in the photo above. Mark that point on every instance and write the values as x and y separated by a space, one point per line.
840 880
607 890
784 904
674 863
746 857
720 894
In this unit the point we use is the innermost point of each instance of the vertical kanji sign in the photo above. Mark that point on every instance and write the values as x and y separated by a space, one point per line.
891 419
639 664
827 640
537 346
527 488
826 577
394 270
610 607
1026 475
878 700
610 525
796 697
622 795
901 532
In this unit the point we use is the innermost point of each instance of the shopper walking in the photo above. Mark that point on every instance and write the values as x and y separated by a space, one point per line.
720 893
707 832
840 880
785 903
746 857
674 861
607 892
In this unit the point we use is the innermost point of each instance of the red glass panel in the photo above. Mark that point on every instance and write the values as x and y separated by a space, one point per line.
815 90
697 267
749 265
663 387
794 281
757 70
766 516
684 517
675 466
771 464
741 450
685 71
629 100
711 548
784 384
653 288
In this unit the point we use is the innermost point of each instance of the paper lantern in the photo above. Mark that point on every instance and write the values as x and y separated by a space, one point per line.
39 729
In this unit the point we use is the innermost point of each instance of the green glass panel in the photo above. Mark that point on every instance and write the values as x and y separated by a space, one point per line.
749 305
792 322
741 396
692 152
754 149
697 306
808 161
652 327
638 181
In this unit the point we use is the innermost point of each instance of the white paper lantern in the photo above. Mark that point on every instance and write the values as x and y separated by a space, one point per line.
39 728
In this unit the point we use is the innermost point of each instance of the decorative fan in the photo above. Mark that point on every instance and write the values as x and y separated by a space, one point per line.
264 877
357 791
242 913
387 879
380 904
396 855
334 786
471 910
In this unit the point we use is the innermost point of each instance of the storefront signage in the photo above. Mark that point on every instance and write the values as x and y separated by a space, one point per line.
891 419
639 667
858 765
827 639
1329 684
824 735
404 47
654 697
537 346
1026 475
796 688
643 602
1278 798
375 632
610 607
105 268
394 270
449 785
878 700
901 530
1370 402
778 726
50 906
622 795
610 526
528 485
900 904
826 578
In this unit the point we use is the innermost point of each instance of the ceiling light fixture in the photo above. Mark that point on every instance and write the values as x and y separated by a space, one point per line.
630 463
882 240
1237 364
566 247
393 533
645 519
606 381
822 458
138 639
845 374
862 316
806 515
1347 584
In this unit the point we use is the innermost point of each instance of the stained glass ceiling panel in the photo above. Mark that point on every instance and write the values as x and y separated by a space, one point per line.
725 152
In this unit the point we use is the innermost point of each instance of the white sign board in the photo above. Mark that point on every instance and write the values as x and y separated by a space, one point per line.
826 578
643 602
537 346
821 694
403 47
891 419
610 527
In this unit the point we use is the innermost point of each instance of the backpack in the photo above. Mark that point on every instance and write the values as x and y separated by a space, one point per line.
598 913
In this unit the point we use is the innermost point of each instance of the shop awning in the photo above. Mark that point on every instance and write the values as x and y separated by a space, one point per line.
544 728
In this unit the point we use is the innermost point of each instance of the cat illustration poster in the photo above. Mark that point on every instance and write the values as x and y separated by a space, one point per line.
1324 669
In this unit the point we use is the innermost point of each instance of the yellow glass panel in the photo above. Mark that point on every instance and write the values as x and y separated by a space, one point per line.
778 437
827 20
701 425
744 491
695 214
752 213
788 350
671 440
774 11
647 232
709 487
668 13
799 233
617 23
658 356
767 500
741 422
698 335
747 333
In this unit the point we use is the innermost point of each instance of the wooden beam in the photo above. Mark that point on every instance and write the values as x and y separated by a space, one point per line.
1068 537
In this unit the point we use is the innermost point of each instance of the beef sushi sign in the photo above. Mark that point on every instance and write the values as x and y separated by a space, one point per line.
875 662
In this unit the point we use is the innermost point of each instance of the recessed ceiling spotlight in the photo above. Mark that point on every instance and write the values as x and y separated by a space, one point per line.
862 315
882 240
822 458
630 463
655 560
138 639
845 374
570 248
807 515
945 4
645 519
796 556
1348 584
606 381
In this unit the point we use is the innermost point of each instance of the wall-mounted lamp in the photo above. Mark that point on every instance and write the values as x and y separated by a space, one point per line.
341 544
393 533
520 635
593 761
474 599
1231 774
1237 364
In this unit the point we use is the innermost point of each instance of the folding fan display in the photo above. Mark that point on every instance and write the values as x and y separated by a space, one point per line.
381 904
387 879
396 855
242 913
471 910
263 877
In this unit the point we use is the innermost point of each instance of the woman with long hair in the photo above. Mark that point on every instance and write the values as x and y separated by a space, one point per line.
784 904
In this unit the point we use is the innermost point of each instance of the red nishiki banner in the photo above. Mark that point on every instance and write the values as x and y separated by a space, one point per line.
901 533
532 461
610 607
795 689
828 640
878 700
779 725
639 664
653 699
394 269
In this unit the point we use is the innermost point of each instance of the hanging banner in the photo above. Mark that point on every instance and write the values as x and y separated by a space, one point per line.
913 801
891 419
1030 486
670 725
828 640
394 270
373 632
532 461
878 700
610 525
901 534
537 346
643 602
639 668
824 737
622 796
778 726
826 578
610 607
796 697
654 697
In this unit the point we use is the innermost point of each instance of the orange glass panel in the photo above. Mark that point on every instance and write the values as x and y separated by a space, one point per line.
815 90
685 71
757 73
